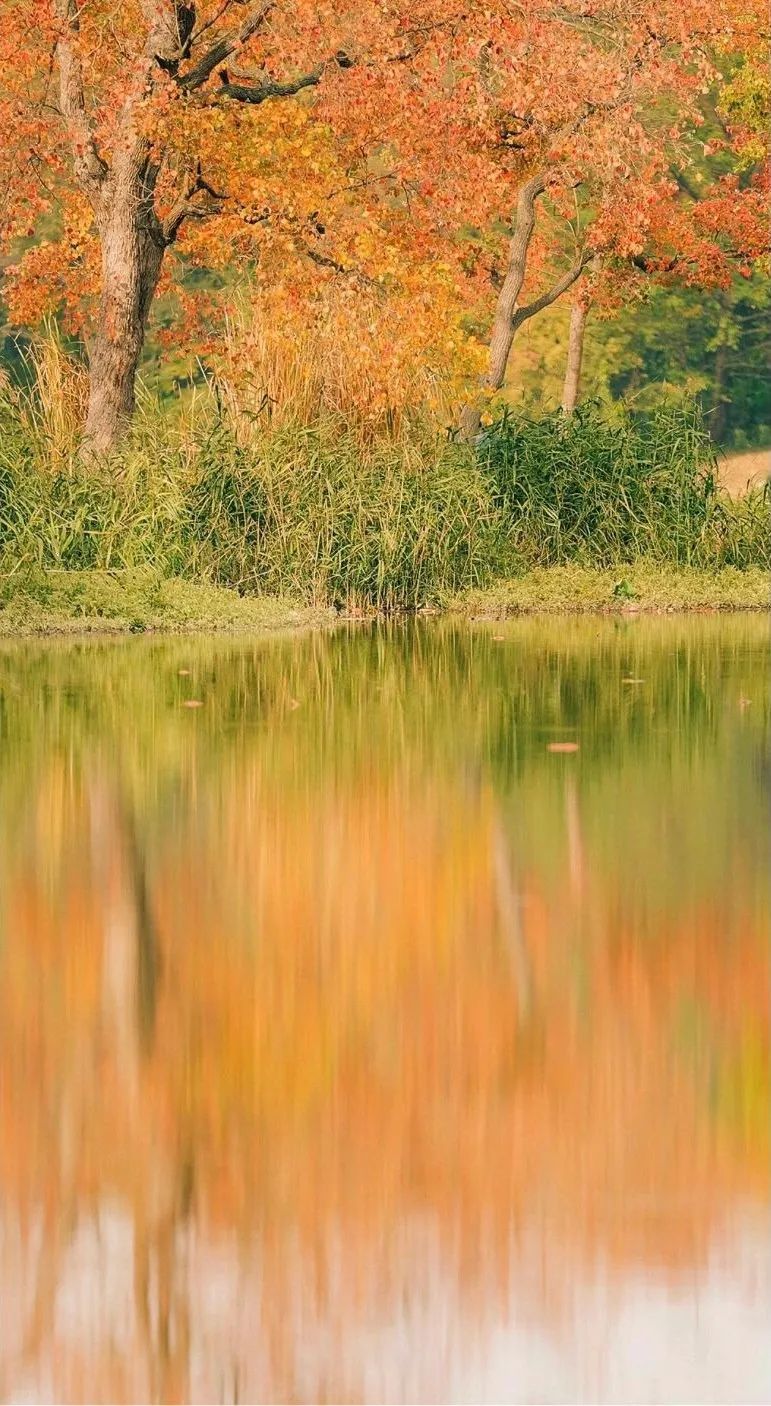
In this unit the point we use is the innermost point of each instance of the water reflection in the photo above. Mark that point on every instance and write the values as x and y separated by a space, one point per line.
353 1044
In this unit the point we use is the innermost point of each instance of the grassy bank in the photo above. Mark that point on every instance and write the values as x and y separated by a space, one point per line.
138 601
125 602
641 587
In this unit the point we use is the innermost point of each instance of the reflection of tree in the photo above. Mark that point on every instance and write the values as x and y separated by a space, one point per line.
118 1035
132 965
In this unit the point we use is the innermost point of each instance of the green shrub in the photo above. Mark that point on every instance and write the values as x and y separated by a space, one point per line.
600 488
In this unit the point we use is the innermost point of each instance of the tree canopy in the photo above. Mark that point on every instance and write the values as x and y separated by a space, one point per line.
472 158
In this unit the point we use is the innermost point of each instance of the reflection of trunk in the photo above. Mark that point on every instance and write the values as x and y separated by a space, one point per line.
160 1299
147 948
576 862
578 315
509 904
131 952
164 1182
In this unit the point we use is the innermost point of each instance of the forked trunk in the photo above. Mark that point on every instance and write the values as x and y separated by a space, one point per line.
131 265
509 314
506 318
575 357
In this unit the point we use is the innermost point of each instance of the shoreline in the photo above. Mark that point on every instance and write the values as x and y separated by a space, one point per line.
120 603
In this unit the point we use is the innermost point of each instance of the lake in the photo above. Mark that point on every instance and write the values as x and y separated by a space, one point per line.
384 1014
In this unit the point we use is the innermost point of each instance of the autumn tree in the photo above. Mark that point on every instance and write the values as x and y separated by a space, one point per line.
705 241
139 122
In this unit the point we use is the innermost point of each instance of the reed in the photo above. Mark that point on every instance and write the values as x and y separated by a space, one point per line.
304 511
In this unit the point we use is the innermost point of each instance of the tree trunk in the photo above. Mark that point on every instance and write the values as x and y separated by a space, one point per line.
504 323
719 419
131 264
509 315
575 356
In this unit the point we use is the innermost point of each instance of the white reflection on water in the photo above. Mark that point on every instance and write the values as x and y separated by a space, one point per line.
609 1336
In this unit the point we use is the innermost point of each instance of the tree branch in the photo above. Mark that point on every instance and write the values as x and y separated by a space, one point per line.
228 44
90 168
184 208
210 23
552 294
261 92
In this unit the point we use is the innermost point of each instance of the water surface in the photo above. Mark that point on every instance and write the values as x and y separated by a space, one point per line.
357 1044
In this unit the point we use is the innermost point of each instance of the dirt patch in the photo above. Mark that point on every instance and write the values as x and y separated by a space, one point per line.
740 472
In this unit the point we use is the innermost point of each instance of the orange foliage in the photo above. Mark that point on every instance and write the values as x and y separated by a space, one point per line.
393 159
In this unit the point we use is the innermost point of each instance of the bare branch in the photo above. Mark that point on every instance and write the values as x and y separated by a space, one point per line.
261 92
90 168
215 19
228 44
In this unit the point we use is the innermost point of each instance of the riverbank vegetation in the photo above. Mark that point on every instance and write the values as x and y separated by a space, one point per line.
334 513
202 512
141 601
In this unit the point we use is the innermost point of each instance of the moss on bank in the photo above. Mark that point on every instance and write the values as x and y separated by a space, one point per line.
122 602
644 586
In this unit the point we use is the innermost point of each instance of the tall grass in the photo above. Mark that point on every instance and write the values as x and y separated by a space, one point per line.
375 369
44 417
309 511
390 518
